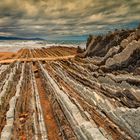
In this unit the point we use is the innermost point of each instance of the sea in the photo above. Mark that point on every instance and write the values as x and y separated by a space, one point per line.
15 45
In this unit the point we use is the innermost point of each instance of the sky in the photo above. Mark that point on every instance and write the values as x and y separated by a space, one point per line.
66 19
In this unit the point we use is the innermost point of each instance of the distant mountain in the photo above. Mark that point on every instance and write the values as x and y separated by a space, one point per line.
18 38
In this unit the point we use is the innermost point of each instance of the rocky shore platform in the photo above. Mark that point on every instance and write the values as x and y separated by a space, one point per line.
92 95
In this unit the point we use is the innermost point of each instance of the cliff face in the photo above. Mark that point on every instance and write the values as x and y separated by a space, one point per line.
115 50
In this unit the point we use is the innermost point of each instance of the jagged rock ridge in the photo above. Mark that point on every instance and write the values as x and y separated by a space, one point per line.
91 98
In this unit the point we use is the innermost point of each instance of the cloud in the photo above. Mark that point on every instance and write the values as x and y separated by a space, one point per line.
55 18
6 34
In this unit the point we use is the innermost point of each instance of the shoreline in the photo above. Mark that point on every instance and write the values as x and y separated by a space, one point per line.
38 53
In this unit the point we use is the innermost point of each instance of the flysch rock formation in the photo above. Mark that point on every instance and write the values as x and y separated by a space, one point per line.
117 57
93 96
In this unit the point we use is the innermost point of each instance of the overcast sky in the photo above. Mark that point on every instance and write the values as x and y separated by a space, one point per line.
66 18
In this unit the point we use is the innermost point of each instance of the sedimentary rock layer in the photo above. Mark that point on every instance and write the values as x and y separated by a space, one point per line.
92 98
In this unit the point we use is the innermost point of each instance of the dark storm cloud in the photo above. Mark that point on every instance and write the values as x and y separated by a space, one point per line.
53 18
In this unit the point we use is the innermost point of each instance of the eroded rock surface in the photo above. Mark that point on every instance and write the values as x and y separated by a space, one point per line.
91 98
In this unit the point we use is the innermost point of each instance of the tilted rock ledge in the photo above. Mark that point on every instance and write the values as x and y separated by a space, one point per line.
93 96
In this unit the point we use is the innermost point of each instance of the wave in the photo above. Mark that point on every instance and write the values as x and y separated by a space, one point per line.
13 46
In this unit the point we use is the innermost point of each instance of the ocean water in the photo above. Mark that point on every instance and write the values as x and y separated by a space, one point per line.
15 45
